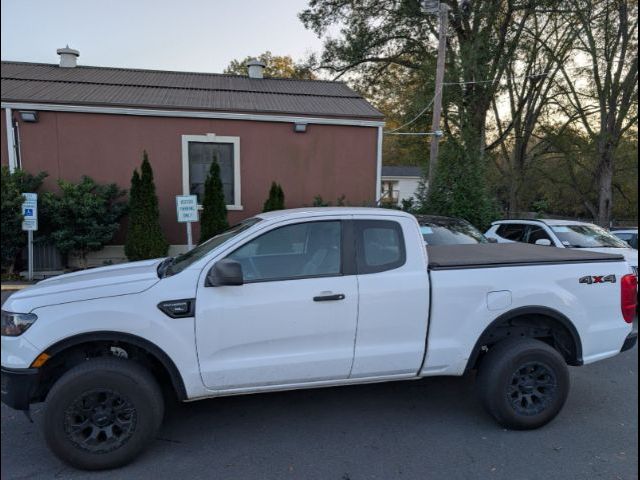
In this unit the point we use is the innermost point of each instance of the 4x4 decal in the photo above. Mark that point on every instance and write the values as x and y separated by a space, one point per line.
590 279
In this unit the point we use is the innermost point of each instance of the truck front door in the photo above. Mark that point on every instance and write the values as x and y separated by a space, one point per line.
294 319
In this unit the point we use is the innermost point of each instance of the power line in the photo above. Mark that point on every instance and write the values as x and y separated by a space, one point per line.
414 118
437 134
517 77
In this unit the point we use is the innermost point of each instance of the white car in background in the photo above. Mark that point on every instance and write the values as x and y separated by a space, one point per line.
562 234
628 235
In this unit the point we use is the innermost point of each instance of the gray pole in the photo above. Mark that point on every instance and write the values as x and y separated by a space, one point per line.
189 236
437 101
30 254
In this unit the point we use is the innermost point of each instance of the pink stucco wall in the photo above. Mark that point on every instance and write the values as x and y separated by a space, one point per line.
327 160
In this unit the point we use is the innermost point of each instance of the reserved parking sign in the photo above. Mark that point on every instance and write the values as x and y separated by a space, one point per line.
187 208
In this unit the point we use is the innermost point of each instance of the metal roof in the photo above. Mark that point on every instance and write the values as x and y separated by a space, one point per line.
401 171
83 85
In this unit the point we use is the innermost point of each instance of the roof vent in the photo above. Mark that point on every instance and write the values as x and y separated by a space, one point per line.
68 57
256 68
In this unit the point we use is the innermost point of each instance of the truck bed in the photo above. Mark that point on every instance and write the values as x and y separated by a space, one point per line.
449 257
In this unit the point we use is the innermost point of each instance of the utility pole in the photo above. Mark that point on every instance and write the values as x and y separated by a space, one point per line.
437 100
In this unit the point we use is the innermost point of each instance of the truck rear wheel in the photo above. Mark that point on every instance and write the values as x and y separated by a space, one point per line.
523 383
102 413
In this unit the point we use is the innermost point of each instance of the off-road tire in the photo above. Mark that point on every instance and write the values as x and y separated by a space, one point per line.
129 395
511 378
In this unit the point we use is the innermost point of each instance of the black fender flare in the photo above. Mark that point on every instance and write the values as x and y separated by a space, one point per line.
150 347
527 311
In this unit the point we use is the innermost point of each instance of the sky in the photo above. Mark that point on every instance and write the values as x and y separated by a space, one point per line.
183 35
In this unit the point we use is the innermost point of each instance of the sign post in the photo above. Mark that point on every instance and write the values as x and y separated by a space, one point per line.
30 224
187 209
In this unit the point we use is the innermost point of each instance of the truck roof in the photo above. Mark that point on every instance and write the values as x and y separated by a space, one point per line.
315 211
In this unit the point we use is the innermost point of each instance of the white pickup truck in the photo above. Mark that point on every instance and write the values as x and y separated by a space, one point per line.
301 299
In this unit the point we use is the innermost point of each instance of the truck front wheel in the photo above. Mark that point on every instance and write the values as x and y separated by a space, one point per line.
523 383
102 413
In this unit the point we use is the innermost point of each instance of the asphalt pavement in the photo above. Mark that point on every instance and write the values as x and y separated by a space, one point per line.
429 429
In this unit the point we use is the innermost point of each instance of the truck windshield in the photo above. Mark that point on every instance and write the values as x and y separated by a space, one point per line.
173 265
450 232
586 236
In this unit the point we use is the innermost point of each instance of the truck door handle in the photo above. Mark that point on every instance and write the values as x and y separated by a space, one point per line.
328 298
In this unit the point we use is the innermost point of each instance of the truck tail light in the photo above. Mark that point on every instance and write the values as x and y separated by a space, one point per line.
629 297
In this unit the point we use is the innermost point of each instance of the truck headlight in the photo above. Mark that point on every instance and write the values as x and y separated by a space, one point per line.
14 324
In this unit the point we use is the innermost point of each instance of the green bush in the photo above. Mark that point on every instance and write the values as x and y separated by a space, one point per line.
459 188
83 216
13 238
214 208
318 201
145 239
275 200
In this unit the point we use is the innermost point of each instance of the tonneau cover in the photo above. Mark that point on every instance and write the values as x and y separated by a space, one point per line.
444 257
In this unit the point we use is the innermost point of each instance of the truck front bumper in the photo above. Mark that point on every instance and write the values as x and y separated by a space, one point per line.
18 386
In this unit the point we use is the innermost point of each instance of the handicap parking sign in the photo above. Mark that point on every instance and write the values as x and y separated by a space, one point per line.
30 211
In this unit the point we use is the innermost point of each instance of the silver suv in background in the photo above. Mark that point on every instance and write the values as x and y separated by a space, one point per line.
562 234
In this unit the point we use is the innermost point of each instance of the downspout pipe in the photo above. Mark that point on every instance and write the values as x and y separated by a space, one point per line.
11 141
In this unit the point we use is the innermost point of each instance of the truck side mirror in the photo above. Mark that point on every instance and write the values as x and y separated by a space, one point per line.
224 272
545 242
492 240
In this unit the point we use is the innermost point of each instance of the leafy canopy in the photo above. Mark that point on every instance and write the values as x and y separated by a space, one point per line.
277 66
13 186
84 216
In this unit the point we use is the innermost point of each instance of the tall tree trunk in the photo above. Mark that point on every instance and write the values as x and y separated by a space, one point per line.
605 180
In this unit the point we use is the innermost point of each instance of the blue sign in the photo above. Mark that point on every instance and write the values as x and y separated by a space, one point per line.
30 211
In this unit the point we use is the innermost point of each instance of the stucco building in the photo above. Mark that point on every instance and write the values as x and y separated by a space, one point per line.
313 137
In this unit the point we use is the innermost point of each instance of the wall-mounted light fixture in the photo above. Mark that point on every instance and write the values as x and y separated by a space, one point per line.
29 116
299 127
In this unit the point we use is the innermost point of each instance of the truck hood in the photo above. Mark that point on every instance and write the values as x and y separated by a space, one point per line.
100 282
629 254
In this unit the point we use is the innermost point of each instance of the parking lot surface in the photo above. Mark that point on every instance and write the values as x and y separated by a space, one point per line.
426 429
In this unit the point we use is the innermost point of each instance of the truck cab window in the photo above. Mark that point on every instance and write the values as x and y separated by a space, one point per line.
380 246
301 250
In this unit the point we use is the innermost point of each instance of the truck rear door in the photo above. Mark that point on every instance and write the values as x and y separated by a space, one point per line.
393 287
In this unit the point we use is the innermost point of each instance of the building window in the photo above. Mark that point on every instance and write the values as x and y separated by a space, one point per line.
198 151
390 193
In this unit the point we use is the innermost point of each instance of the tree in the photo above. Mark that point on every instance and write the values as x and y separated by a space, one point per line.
455 192
528 91
375 36
214 209
604 97
564 176
275 200
276 66
84 216
13 237
145 239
